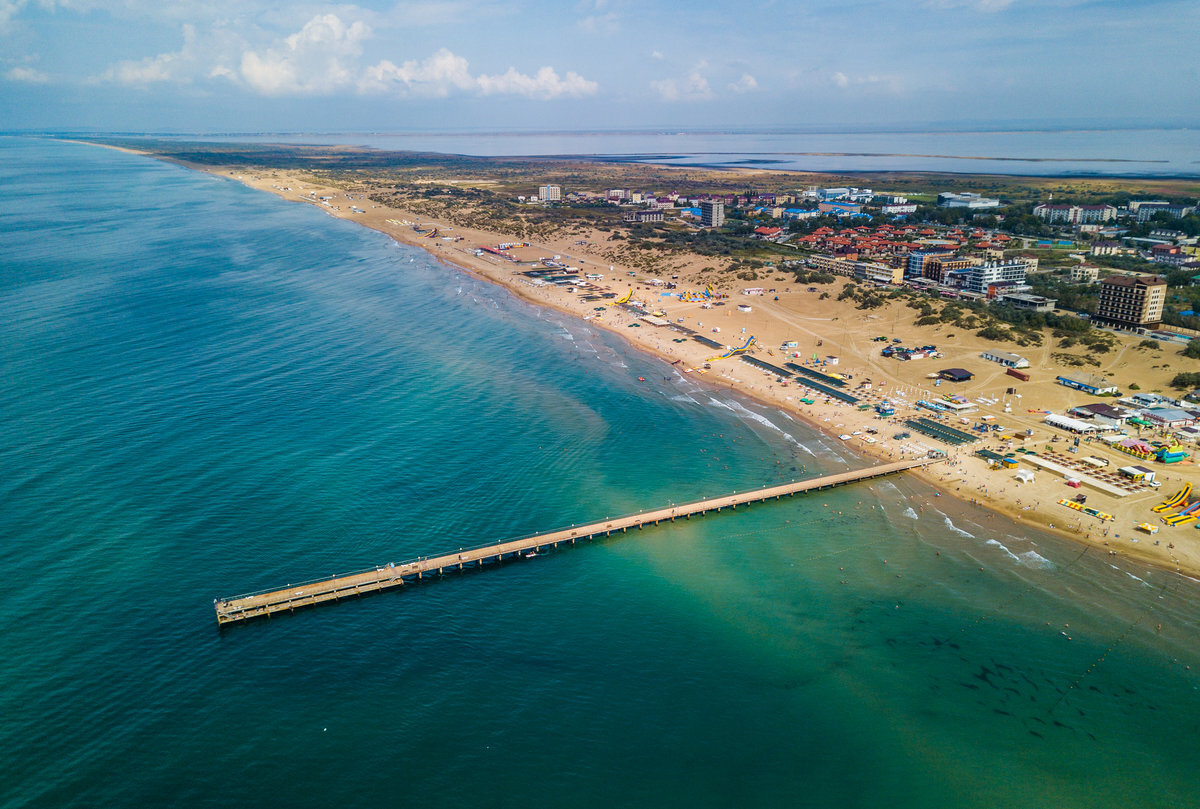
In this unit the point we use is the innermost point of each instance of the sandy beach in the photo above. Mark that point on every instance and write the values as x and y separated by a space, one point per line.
790 313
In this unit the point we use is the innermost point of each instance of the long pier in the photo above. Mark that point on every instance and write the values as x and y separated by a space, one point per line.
294 597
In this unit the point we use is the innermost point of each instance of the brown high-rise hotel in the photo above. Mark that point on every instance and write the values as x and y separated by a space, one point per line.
1132 302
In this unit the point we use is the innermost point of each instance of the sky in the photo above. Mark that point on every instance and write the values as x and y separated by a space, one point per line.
437 65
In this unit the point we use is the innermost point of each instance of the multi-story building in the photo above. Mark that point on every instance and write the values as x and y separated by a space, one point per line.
1145 210
1131 301
1169 254
550 193
648 215
1084 274
878 273
1075 214
832 264
1030 262
918 258
1109 248
1091 214
712 213
936 268
1053 213
993 273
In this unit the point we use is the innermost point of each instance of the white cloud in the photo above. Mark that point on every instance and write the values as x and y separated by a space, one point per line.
545 84
657 55
745 84
27 75
436 75
667 89
319 58
444 72
9 9
697 86
691 87
608 23
326 56
874 82
174 66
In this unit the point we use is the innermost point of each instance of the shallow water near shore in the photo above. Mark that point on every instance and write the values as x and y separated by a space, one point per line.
208 390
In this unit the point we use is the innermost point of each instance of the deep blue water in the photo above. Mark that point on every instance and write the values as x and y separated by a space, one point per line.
207 390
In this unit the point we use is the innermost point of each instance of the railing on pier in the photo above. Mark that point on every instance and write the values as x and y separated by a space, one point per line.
316 591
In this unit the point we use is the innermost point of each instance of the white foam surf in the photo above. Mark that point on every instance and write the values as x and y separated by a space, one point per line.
950 524
999 545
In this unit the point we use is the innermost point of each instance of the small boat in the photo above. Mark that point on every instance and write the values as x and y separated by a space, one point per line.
641 379
531 554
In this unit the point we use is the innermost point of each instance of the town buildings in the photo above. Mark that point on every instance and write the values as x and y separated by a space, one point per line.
1131 302
1088 383
550 193
1109 248
647 215
1145 210
984 278
1075 214
1005 358
967 199
712 213
918 259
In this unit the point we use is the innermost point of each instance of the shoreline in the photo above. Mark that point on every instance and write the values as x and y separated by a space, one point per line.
956 477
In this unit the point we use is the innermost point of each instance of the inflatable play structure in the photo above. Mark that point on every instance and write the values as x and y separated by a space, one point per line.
734 351
1176 510
1092 512
1175 499
625 298
709 294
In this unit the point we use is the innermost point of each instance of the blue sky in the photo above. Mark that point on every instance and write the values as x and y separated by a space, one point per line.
251 65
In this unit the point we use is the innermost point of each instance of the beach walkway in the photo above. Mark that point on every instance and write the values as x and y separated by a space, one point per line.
294 597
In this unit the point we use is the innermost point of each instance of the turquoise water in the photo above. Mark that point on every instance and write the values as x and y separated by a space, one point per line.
208 390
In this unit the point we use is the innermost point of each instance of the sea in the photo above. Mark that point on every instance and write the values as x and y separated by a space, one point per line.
1101 151
209 390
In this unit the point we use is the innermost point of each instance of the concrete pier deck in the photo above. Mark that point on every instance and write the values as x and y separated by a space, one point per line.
293 597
